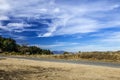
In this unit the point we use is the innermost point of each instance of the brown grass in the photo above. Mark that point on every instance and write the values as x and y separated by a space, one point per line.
96 56
14 69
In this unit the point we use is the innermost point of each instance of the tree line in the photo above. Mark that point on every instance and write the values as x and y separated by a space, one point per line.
10 45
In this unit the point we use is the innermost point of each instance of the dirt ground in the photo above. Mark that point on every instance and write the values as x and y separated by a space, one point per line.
16 69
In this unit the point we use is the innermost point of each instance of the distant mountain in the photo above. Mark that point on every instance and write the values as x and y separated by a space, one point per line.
58 52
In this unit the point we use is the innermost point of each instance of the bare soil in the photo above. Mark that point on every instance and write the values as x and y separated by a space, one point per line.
16 69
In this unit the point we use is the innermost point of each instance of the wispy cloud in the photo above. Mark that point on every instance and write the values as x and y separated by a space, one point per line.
107 37
91 48
4 18
57 44
51 18
81 19
17 27
112 38
4 6
66 19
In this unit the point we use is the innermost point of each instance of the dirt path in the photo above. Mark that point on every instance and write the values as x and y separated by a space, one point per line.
20 69
86 62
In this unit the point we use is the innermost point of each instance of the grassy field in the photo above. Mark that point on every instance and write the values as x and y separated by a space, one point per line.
96 56
14 69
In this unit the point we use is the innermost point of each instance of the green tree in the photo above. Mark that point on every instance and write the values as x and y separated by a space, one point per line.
47 52
66 53
35 50
9 45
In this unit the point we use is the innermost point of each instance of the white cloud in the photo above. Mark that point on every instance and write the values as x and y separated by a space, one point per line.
110 37
67 19
17 27
113 37
82 25
58 44
3 27
80 19
4 6
30 9
4 17
45 35
92 48
106 41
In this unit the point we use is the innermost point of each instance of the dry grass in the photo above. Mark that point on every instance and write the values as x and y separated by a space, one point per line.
14 69
96 56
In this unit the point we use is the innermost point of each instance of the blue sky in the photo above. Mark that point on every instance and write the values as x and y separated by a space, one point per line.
69 25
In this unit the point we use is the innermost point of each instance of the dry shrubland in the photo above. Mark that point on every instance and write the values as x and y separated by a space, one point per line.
96 56
106 56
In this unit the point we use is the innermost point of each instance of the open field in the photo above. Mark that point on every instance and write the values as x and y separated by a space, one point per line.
108 56
16 69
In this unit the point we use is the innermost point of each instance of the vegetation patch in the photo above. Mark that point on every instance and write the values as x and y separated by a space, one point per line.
9 46
106 56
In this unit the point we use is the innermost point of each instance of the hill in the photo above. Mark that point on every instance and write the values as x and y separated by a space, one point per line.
10 45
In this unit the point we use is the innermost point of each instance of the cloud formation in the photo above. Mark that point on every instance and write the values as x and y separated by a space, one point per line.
66 19
52 18
84 18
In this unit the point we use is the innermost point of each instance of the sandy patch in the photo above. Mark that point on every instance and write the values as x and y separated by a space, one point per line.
16 69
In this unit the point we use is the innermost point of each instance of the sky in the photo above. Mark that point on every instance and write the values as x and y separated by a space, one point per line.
68 25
